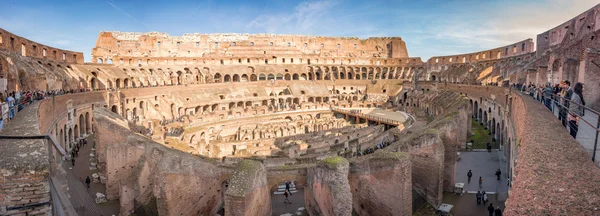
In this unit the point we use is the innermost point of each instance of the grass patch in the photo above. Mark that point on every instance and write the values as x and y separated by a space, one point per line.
481 136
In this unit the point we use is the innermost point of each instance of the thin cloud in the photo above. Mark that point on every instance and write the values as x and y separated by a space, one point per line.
304 17
122 11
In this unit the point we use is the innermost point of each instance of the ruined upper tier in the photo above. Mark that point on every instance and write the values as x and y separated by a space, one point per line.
118 46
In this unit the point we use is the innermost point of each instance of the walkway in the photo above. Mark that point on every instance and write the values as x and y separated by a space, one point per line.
278 207
83 199
379 115
484 164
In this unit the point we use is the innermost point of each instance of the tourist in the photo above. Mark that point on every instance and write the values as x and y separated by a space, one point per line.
566 94
285 194
480 182
498 212
491 209
489 147
11 106
88 181
576 111
73 161
469 175
498 173
287 187
478 196
484 197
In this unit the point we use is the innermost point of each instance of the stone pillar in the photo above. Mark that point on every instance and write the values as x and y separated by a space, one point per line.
248 192
589 70
327 191
382 184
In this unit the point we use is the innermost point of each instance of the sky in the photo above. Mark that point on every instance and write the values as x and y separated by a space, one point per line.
429 27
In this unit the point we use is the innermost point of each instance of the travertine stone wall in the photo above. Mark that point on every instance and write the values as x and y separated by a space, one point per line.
381 184
129 47
248 191
328 190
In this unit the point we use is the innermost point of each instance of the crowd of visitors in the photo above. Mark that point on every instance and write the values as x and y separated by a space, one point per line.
568 100
17 100
371 150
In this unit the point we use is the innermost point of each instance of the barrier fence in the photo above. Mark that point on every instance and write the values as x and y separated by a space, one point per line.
582 122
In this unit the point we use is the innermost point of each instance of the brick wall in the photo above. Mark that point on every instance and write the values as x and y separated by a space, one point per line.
381 184
25 194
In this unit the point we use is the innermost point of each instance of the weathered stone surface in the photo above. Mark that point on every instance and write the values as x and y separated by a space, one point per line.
381 184
248 192
328 190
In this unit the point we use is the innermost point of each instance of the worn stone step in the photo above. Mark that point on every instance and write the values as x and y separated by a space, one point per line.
283 189
280 193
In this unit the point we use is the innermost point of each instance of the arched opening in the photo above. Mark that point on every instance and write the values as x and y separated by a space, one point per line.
81 123
227 78
236 78
217 78
93 84
253 77
114 109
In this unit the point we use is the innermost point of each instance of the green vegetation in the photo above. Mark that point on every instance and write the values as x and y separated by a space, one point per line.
481 136
333 162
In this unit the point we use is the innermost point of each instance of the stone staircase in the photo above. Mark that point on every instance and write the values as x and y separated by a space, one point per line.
281 189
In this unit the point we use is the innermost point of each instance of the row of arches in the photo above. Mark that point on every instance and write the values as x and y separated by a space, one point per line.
66 135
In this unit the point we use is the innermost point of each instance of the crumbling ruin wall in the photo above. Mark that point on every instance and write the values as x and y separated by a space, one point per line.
381 184
248 192
328 191
139 171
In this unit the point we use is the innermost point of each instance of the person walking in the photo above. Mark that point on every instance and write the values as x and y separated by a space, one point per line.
287 187
489 147
11 106
576 109
88 181
484 197
498 212
478 196
286 194
491 209
480 182
498 173
73 161
469 175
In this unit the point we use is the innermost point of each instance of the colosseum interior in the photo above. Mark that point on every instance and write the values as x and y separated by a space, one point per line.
215 124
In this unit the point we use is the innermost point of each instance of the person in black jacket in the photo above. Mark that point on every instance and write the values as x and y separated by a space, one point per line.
491 209
88 181
498 212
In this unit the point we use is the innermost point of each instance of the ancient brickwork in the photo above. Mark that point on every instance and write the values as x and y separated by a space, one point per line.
247 191
381 184
131 48
25 47
328 190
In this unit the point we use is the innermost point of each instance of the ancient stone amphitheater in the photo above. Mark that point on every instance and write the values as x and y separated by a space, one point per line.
206 124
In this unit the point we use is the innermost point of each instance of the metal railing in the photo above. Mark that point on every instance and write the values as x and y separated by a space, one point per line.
584 127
